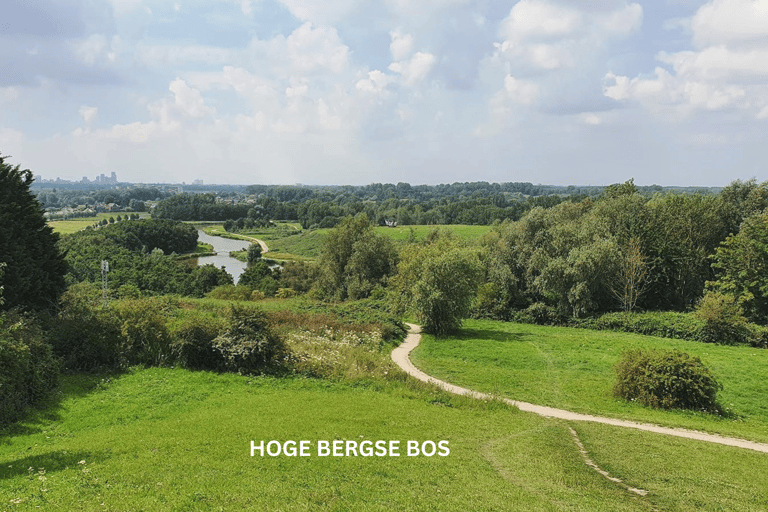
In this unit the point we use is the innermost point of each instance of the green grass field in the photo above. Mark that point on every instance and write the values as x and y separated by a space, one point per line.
573 369
284 244
170 439
405 233
66 227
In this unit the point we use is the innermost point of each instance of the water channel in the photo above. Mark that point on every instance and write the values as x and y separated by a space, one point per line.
223 246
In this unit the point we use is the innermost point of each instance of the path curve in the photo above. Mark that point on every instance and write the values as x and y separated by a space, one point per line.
400 356
262 243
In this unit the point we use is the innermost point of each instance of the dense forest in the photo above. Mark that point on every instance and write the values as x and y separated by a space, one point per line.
478 203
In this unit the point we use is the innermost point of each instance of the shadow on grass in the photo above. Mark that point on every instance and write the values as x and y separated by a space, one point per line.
488 334
38 418
50 462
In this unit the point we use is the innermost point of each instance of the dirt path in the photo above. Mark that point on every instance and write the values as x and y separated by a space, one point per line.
400 357
262 243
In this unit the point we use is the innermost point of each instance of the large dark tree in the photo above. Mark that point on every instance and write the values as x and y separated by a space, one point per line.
34 271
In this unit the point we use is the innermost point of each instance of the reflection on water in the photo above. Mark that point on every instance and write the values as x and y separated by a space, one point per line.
222 246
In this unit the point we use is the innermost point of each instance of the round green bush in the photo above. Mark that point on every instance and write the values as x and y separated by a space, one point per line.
666 380
250 345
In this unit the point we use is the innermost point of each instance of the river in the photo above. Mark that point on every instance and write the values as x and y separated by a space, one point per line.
223 246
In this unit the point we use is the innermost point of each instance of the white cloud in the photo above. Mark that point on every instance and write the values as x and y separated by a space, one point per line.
731 22
540 19
123 7
519 91
375 83
8 94
552 36
401 45
96 48
310 49
163 55
414 70
321 12
88 114
727 71
189 101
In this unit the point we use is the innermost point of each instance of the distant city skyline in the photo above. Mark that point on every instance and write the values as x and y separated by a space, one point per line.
562 92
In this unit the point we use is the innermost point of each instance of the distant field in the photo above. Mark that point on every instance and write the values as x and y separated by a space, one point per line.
66 227
285 244
420 232
573 369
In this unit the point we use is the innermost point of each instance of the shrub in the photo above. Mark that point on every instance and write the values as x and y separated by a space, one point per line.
666 380
541 314
192 342
723 319
85 334
249 345
231 292
145 338
758 336
665 324
29 369
285 293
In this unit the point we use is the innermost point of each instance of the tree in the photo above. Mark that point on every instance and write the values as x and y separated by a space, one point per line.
254 253
34 267
742 265
354 260
631 279
438 281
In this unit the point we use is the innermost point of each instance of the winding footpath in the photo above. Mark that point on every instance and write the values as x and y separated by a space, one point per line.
400 356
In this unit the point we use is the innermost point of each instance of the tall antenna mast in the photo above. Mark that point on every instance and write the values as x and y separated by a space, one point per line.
104 271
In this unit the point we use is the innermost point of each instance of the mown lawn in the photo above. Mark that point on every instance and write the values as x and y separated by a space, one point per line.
163 439
170 439
573 369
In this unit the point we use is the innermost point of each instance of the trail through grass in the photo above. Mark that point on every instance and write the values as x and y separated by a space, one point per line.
572 369
162 439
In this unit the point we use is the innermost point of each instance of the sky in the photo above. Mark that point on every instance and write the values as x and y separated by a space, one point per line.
573 92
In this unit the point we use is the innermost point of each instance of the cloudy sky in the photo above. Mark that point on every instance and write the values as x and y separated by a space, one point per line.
673 92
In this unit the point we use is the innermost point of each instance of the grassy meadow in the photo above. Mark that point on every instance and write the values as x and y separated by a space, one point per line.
573 369
404 233
66 227
172 439
289 242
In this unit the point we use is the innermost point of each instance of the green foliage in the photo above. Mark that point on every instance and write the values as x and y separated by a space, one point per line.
260 277
29 369
232 292
723 319
664 324
438 281
198 207
249 345
666 380
192 342
126 245
742 264
33 276
354 260
299 276
85 334
254 253
540 314
145 338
